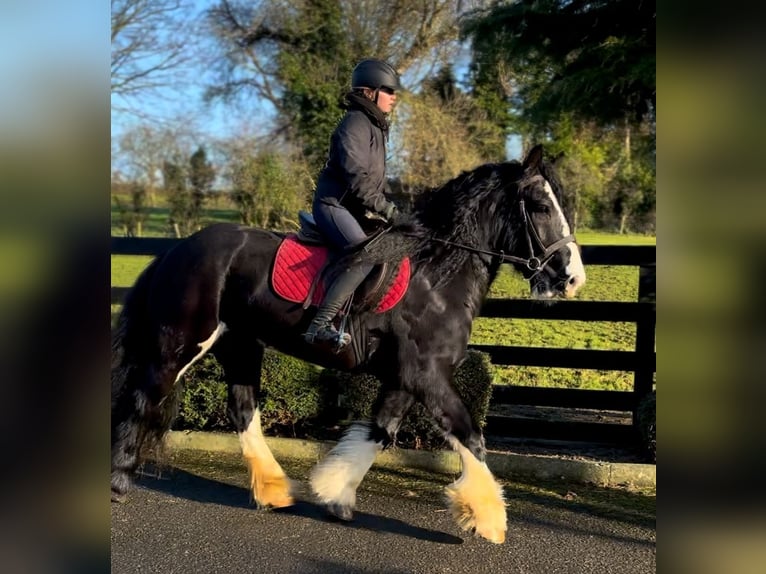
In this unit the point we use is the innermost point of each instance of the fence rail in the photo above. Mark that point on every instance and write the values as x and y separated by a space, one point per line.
641 361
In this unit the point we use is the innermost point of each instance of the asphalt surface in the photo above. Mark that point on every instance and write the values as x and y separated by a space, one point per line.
194 515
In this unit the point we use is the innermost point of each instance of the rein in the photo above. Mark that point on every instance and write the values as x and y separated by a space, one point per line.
535 262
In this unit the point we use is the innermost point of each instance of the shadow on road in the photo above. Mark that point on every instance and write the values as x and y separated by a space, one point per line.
176 482
373 522
179 483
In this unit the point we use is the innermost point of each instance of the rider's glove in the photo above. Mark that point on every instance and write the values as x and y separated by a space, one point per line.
390 212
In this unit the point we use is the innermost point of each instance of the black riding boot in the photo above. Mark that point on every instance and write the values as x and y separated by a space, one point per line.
321 329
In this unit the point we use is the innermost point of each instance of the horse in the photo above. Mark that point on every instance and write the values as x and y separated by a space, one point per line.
212 292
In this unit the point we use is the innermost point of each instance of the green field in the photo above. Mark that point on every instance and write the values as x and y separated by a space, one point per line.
156 223
604 283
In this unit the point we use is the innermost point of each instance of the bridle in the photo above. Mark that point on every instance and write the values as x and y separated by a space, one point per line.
539 254
536 262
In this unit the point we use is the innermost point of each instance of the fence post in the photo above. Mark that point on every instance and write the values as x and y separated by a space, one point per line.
645 336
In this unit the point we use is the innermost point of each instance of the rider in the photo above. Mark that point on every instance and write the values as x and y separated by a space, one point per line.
352 182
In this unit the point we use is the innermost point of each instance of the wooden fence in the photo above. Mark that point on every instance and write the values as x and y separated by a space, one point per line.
641 361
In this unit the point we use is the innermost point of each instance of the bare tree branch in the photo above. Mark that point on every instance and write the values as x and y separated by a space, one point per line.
150 44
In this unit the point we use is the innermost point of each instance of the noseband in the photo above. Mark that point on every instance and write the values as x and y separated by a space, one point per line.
539 254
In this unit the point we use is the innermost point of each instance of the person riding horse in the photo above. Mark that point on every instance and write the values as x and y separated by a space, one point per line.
352 182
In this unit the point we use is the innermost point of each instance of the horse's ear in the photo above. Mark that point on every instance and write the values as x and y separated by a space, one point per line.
534 159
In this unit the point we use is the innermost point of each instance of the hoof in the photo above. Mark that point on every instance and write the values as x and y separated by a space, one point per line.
120 485
275 502
496 535
275 493
341 511
484 516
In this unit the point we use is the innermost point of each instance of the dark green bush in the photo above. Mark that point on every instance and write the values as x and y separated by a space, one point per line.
203 398
291 391
357 392
290 394
473 382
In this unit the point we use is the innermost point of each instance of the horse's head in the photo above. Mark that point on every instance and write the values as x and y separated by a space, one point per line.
553 263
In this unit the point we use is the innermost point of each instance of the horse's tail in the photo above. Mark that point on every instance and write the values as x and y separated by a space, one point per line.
137 424
126 333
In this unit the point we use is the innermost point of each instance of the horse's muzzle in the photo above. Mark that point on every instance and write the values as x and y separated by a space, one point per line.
572 284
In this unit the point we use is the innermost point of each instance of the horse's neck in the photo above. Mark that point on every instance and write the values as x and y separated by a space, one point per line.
477 224
468 287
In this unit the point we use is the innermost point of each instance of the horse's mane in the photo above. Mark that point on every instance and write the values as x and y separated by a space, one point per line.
473 206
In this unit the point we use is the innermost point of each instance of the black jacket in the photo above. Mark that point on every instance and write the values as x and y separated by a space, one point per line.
355 173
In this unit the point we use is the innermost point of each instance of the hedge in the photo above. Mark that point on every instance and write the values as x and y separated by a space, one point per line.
296 395
290 394
356 394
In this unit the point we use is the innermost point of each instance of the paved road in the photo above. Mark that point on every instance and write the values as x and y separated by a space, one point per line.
196 518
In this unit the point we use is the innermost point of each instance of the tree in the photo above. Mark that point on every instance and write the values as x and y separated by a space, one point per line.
201 177
443 131
268 185
174 182
595 60
133 212
633 196
187 187
486 124
580 77
149 46
313 73
298 55
143 151
585 157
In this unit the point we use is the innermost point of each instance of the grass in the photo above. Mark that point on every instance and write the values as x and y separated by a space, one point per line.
605 283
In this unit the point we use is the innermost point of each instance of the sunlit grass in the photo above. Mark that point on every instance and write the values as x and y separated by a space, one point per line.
127 268
601 238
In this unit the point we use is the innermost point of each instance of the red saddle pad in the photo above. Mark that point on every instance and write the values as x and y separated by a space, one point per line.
296 265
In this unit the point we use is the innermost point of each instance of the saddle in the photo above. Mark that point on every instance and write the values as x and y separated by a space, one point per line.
304 265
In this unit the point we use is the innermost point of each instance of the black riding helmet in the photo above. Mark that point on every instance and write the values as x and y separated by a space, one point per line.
375 74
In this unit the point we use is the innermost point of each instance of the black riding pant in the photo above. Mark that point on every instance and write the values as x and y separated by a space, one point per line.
337 224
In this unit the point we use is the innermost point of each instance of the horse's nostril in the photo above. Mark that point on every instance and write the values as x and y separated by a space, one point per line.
572 280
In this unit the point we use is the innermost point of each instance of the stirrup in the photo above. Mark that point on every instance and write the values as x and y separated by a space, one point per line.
328 334
342 341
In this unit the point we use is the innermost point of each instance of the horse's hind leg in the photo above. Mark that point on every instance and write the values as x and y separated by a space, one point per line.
241 363
475 498
336 479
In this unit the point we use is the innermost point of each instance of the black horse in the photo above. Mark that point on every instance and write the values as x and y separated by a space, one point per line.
212 292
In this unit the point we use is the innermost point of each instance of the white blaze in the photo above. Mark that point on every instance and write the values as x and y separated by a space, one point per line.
575 270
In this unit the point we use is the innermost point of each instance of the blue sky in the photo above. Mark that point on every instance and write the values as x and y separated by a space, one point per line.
182 98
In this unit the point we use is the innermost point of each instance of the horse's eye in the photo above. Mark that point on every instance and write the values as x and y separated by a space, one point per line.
543 209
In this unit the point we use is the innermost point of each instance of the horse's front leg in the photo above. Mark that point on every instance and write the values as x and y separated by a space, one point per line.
475 498
336 479
269 484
